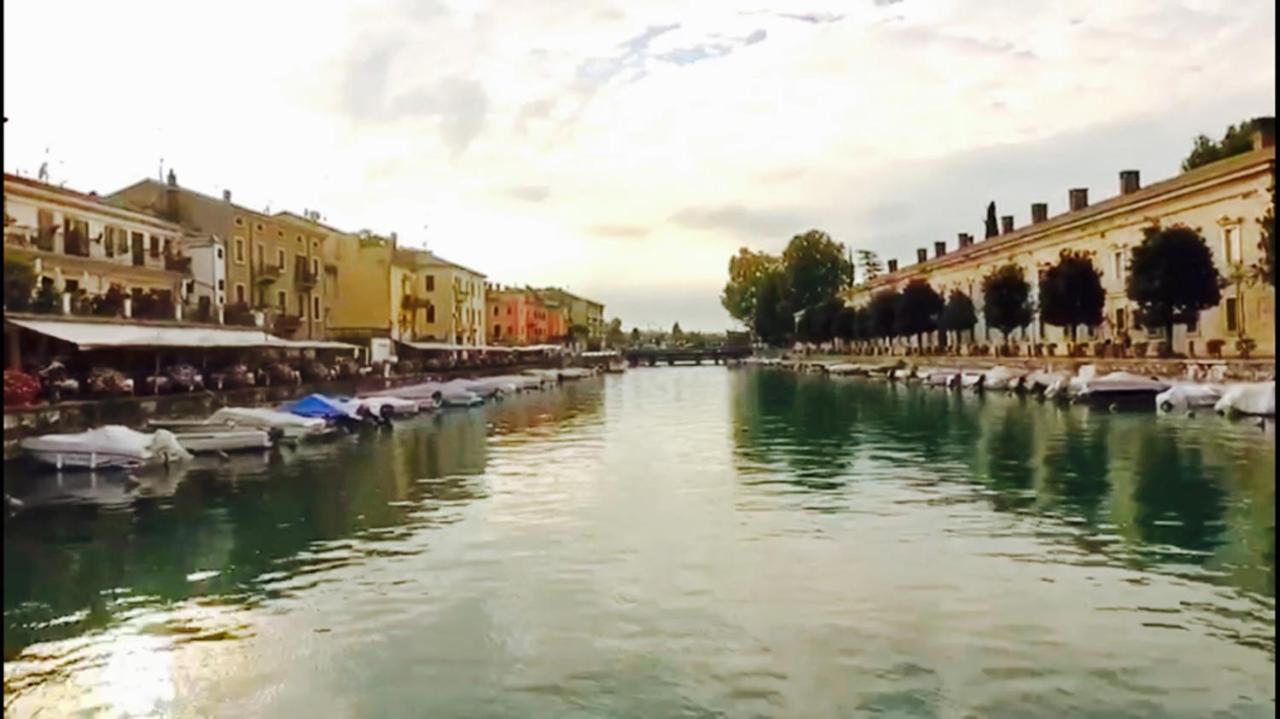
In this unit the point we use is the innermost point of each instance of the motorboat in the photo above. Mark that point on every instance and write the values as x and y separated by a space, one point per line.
846 368
319 406
1003 378
383 405
1188 395
227 439
941 377
970 380
105 447
1119 387
1252 398
1040 381
290 426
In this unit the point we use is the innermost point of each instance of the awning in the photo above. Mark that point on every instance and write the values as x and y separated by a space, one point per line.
100 335
538 348
603 353
435 346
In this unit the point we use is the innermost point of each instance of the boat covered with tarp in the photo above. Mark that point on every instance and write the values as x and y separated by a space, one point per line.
1253 398
105 447
1116 387
1188 395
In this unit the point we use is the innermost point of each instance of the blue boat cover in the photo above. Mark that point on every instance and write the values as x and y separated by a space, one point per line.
317 405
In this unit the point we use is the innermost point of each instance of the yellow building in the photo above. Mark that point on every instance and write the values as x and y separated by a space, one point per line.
364 305
1223 200
273 270
581 311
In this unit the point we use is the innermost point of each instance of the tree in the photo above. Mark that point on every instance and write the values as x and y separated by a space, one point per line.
959 314
992 228
1071 293
747 273
918 308
773 323
846 324
815 268
870 264
677 335
1265 269
818 323
19 281
635 336
614 335
863 327
1238 139
1006 301
1172 277
882 308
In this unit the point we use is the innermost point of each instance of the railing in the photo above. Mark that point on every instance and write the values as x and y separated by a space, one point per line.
305 278
414 301
177 264
287 324
265 273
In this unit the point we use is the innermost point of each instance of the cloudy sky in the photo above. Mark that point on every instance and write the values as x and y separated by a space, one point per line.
625 150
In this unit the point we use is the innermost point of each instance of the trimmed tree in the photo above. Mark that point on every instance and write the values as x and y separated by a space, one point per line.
773 323
959 315
1006 299
918 308
870 264
1172 277
881 311
992 228
846 324
1071 293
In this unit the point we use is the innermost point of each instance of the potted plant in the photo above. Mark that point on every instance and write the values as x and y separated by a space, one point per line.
1140 349
1244 346
1215 348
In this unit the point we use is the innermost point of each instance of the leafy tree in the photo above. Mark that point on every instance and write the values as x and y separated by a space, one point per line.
992 228
635 336
918 309
1006 301
19 282
1172 277
1238 139
959 314
614 335
1265 269
1071 293
846 324
677 335
818 323
863 327
747 273
815 268
870 264
773 323
882 309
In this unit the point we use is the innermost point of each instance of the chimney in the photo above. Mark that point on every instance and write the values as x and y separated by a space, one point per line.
171 199
1129 182
1039 212
226 195
939 249
1078 198
173 179
1006 224
1264 132
893 266
963 239
922 254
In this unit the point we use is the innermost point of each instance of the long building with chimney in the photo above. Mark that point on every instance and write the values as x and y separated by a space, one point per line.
1223 200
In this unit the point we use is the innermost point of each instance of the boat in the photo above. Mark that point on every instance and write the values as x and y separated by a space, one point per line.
1119 387
290 426
1188 395
942 377
226 439
971 380
1039 381
319 406
616 366
389 405
846 368
105 447
1252 398
1003 378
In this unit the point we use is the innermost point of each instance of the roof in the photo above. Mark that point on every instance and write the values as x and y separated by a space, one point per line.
1242 164
95 203
189 191
569 294
308 221
437 259
101 335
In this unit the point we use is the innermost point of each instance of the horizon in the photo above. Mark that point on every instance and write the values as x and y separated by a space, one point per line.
625 155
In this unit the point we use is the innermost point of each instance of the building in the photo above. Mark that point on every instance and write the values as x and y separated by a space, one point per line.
365 307
458 293
579 311
208 286
520 316
91 257
270 273
1223 200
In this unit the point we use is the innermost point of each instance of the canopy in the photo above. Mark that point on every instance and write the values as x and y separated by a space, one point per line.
537 348
102 335
317 405
435 346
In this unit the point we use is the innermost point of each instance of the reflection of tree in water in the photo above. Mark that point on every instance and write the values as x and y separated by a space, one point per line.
1004 456
1178 500
1074 467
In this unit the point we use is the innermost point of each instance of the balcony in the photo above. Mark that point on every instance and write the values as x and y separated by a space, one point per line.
177 264
287 324
266 274
305 279
415 301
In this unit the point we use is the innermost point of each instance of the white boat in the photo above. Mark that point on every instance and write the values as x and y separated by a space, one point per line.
1254 398
1040 381
942 377
382 405
109 446
1119 387
1003 378
290 426
1188 395
846 368
972 380
224 440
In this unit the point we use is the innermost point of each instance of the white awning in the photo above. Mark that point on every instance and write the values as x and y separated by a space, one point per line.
601 353
99 335
435 346
538 348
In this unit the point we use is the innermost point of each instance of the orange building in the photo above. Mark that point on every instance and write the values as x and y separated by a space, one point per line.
519 316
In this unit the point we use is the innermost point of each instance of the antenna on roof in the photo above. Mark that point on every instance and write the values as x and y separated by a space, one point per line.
160 174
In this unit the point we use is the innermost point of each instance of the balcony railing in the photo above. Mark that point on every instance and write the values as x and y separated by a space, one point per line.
287 324
177 264
305 278
415 301
266 274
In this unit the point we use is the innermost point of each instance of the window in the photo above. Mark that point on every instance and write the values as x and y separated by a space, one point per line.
239 221
283 301
122 243
1193 326
155 246
1231 245
1117 264
302 305
218 251
240 293
261 256
298 238
188 287
280 234
280 258
240 250
1233 314
431 283
508 310
431 313
222 285
315 308
109 241
1119 318
258 227
315 266
495 310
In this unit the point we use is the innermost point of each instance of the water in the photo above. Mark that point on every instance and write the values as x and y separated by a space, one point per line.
669 542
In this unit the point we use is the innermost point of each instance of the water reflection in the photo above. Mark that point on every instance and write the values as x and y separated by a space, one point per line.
1188 491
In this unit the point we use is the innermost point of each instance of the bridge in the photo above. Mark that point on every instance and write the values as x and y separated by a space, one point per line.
694 355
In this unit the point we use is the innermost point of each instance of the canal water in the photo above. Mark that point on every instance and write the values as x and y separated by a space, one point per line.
667 542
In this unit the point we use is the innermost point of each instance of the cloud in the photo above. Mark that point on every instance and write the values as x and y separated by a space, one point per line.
461 106
620 231
813 18
595 72
741 221
529 193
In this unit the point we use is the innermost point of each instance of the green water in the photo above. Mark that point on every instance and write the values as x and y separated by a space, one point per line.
667 542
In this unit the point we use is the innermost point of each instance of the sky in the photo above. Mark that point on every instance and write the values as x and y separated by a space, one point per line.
626 150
